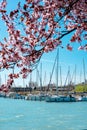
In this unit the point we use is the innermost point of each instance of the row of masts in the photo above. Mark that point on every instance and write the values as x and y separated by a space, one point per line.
69 79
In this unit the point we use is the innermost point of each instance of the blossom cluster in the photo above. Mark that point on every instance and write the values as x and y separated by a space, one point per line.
38 26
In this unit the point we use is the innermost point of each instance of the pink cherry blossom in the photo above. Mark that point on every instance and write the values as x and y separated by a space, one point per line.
81 48
70 48
36 27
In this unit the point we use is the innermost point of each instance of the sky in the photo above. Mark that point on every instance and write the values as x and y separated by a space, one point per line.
67 60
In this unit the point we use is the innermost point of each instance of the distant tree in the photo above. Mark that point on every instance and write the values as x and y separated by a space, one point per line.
38 26
81 88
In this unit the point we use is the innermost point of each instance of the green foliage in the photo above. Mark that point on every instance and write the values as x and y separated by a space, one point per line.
81 88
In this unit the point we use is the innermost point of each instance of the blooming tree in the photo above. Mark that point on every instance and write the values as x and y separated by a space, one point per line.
36 27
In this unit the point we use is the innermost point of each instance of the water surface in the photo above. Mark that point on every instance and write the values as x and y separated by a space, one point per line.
35 115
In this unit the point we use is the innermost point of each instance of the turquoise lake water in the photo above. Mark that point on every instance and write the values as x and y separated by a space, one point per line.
35 115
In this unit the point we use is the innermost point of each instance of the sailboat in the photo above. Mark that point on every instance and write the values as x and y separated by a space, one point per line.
41 95
83 97
57 97
52 98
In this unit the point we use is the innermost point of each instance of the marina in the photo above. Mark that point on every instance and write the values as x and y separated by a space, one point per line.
50 92
45 97
43 59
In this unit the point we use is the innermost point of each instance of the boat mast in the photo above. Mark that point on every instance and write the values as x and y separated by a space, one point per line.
67 79
60 77
75 76
41 77
30 82
61 80
5 78
52 72
37 77
44 81
80 76
23 82
84 71
57 71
